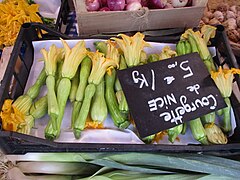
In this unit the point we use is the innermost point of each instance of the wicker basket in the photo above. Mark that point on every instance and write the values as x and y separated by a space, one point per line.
212 5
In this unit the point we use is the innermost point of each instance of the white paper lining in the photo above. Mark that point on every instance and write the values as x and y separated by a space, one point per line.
110 134
49 8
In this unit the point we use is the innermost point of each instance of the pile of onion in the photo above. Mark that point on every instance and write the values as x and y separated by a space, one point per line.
132 5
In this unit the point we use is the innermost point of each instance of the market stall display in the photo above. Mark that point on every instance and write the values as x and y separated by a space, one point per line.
67 95
96 139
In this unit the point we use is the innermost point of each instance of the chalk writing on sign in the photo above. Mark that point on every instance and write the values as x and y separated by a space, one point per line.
140 79
176 115
166 93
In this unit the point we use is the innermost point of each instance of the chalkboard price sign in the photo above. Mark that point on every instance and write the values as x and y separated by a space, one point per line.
166 93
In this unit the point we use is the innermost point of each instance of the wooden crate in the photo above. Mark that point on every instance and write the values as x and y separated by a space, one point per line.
141 20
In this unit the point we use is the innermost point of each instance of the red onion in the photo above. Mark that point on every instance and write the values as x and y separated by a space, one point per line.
133 6
179 3
104 9
103 3
189 3
129 1
116 5
144 3
157 4
92 5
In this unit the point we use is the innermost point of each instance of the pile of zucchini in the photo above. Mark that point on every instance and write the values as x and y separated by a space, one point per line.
88 80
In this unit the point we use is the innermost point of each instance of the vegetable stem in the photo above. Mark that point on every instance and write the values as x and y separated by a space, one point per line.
34 90
99 109
79 124
198 131
120 120
85 69
53 109
227 126
174 132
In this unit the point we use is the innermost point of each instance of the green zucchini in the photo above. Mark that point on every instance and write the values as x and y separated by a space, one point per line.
99 109
79 124
120 120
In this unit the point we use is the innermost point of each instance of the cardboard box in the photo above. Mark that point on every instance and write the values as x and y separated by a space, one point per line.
145 19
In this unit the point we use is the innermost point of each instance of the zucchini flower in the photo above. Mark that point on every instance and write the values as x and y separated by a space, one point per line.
153 57
37 110
30 10
132 47
73 58
166 53
208 32
144 57
223 79
90 124
101 46
50 61
215 134
11 116
13 113
197 42
15 120
100 65
112 51
159 136
198 131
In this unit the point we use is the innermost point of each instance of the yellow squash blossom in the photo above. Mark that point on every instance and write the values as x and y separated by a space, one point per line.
132 47
13 13
13 113
215 134
90 124
73 58
112 51
100 65
198 42
11 116
166 53
223 78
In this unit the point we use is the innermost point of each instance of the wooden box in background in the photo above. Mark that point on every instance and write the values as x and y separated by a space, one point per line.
145 19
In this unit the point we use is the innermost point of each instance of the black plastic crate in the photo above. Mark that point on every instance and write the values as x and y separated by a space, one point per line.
62 15
16 143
